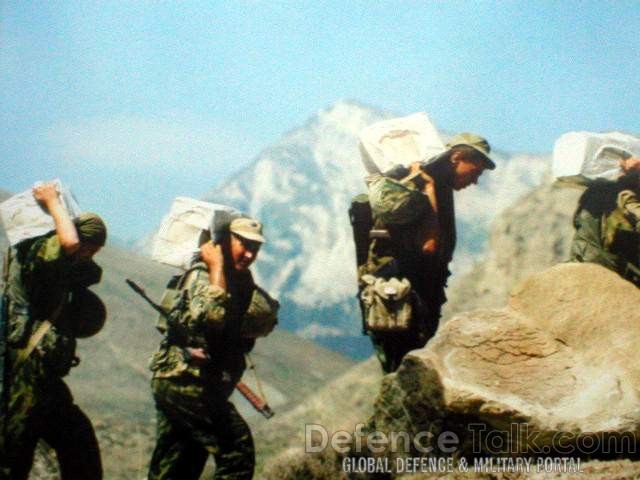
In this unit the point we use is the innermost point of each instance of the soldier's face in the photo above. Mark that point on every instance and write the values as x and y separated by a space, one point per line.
86 252
243 252
467 168
630 165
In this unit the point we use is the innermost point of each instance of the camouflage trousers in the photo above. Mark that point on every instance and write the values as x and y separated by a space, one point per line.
194 422
45 410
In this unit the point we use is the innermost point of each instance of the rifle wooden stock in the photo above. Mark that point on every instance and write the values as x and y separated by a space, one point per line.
256 402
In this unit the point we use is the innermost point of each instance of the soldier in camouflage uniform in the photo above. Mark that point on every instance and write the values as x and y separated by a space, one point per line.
607 223
414 207
47 281
202 357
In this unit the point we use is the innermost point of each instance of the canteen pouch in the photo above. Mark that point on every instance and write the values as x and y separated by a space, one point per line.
387 304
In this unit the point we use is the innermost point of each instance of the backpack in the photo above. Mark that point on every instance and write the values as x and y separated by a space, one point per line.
173 299
361 219
395 202
385 299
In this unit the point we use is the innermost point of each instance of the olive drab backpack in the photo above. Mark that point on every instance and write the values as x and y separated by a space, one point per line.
361 218
385 302
395 202
261 316
172 301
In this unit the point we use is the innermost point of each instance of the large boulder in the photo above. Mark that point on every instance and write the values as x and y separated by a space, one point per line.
554 372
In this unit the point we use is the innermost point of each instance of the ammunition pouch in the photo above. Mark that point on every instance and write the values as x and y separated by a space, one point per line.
261 317
387 304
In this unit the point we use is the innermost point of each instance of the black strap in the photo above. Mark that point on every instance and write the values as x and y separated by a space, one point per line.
183 277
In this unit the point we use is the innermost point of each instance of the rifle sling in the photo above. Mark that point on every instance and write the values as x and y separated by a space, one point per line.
38 335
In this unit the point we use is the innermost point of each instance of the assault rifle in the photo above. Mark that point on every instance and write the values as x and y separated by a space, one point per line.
256 401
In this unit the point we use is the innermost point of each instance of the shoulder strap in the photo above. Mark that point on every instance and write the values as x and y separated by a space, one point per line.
39 334
185 275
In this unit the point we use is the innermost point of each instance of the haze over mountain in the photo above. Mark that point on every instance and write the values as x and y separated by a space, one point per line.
301 189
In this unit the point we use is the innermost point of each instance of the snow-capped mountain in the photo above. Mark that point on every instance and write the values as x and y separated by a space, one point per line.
301 188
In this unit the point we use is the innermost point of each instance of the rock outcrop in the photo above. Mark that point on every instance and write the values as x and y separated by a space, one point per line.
531 235
559 362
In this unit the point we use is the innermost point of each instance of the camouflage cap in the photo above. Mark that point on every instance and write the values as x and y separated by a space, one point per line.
247 228
91 229
476 142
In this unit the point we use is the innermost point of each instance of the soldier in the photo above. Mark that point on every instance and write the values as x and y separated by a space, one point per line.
48 306
607 223
412 243
219 313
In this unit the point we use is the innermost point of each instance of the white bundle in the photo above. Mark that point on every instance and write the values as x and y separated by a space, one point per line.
23 218
399 141
178 239
592 155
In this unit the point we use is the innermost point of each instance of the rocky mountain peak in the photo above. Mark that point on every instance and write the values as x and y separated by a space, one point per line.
348 116
301 188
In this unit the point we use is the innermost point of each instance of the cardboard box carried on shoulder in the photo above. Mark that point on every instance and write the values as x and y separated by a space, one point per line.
592 155
23 218
402 140
178 240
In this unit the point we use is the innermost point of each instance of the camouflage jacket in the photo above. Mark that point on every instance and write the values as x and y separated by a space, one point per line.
400 254
606 228
40 278
210 318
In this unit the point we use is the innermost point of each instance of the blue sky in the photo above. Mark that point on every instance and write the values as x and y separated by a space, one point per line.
116 98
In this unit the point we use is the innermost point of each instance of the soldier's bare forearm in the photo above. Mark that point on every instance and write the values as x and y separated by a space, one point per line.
217 278
47 195
212 255
65 229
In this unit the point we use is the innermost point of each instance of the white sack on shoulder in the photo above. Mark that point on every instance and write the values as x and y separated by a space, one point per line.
592 155
178 239
23 218
403 140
